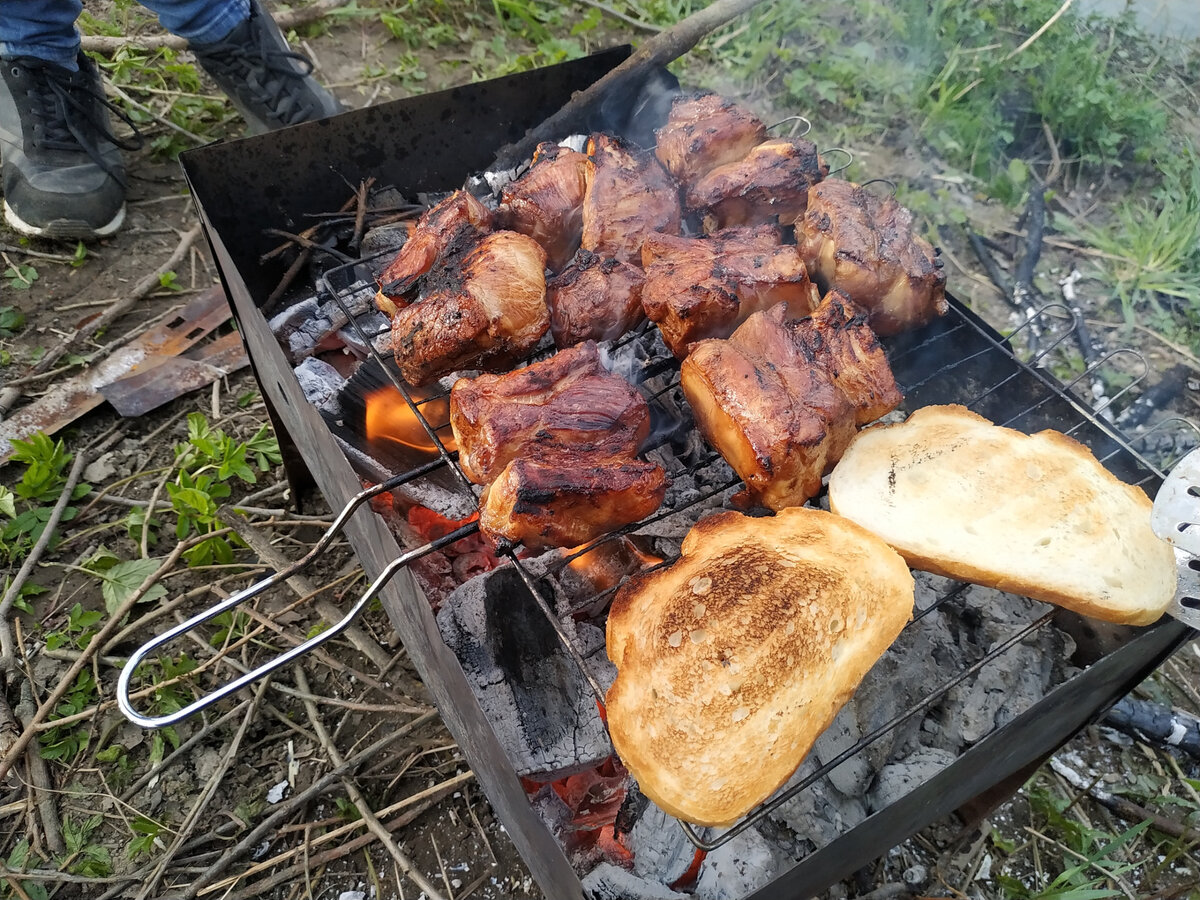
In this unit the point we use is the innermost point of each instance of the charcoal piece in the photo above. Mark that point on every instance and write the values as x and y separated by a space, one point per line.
321 383
738 868
661 849
609 882
852 776
898 778
536 699
820 813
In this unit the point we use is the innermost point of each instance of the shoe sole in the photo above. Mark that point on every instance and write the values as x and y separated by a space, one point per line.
64 229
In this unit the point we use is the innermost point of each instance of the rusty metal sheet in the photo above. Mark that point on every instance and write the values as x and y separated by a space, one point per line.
163 379
67 401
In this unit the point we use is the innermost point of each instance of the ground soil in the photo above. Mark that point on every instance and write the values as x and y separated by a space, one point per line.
457 843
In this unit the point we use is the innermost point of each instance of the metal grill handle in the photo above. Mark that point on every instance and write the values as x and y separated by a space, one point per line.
125 701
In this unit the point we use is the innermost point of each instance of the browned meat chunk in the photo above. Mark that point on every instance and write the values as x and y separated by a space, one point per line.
770 184
483 309
569 501
865 245
704 131
780 399
629 195
594 299
546 202
568 404
700 288
443 230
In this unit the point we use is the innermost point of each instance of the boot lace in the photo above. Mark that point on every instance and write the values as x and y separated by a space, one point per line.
264 75
68 112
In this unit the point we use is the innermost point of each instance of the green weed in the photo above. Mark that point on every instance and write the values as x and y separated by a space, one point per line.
65 742
28 508
20 277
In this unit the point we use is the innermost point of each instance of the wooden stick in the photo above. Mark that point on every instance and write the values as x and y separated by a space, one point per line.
289 19
657 51
356 796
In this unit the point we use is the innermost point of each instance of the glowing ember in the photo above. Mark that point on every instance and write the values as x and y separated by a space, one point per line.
604 566
389 418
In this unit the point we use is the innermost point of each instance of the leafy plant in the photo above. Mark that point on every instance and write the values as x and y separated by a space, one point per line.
65 742
38 491
83 856
20 277
12 320
146 838
207 461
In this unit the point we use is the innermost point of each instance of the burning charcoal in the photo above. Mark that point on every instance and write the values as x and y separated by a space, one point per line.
537 701
738 868
661 849
383 242
321 383
898 778
609 882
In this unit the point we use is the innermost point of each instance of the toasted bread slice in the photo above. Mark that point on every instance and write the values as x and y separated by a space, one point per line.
732 661
1032 514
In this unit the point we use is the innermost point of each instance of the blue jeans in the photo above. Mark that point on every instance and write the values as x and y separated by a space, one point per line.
45 29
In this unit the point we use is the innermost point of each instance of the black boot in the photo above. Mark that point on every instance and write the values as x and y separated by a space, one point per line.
62 172
270 85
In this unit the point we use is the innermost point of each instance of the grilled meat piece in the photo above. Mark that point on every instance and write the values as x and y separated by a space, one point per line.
780 399
443 230
629 195
865 245
568 404
700 288
569 500
546 202
704 131
770 184
594 299
482 309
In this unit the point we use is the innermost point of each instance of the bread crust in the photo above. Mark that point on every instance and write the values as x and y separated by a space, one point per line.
1035 515
732 661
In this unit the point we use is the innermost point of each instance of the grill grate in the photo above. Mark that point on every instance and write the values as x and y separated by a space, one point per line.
954 360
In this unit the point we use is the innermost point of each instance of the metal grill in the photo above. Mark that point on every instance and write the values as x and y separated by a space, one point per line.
954 360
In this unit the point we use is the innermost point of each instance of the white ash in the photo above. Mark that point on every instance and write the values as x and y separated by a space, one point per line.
738 868
661 849
321 384
898 778
609 882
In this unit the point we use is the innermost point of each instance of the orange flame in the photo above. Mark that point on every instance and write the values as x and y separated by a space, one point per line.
390 418
604 566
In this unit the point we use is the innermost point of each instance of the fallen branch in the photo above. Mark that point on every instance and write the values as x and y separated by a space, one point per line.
293 18
8 659
1126 809
150 884
289 807
39 779
93 646
356 796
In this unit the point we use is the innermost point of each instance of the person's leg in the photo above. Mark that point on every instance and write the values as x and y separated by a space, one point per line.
200 21
240 46
40 29
60 167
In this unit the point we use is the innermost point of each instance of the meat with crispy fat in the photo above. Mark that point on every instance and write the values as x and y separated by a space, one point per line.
703 131
594 298
483 308
568 404
865 245
628 196
699 288
442 230
770 184
567 501
546 202
781 398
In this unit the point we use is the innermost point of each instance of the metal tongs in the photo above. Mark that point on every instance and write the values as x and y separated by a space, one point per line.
1176 519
